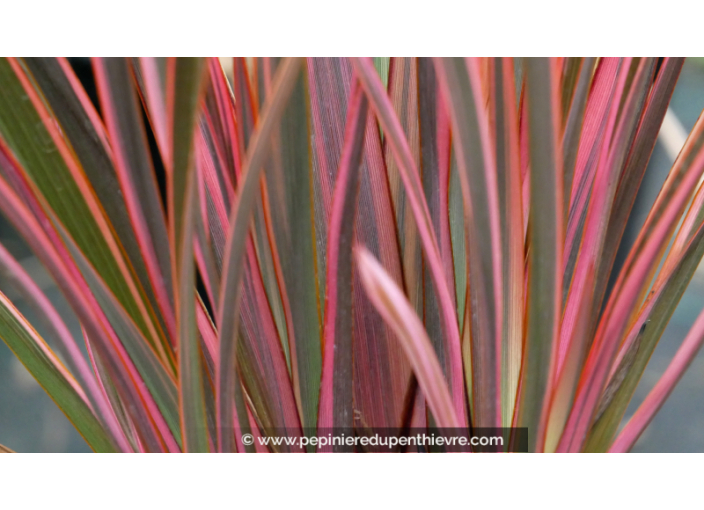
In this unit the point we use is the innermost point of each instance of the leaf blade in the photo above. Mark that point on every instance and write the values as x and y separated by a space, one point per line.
36 356
336 390
234 251
397 311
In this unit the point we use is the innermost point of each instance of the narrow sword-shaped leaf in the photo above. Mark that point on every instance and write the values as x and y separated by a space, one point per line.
411 179
458 234
326 78
573 127
336 389
512 240
41 362
50 162
66 345
571 67
657 396
381 371
397 311
545 238
565 384
435 174
234 251
49 249
403 93
184 87
463 90
290 204
137 180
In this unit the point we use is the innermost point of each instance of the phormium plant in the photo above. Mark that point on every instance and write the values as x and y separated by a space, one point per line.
346 243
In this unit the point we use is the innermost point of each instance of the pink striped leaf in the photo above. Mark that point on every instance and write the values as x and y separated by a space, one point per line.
234 267
632 283
50 162
137 180
381 372
503 101
545 257
49 248
657 396
397 311
41 362
412 183
337 386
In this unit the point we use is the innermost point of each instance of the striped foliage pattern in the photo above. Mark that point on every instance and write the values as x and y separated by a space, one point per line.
300 244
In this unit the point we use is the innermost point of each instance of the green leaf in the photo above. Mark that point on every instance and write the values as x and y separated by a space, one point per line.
478 178
382 374
185 80
238 230
337 387
40 361
159 380
545 240
39 144
290 203
397 311
135 172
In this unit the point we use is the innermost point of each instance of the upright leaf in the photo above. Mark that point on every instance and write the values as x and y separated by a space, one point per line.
233 268
396 309
545 240
337 390
137 180
184 79
463 92
36 139
411 179
381 372
291 207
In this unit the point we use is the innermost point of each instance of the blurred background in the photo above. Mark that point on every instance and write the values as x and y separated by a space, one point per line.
31 422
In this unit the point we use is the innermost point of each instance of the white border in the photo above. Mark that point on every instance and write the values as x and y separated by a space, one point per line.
334 28
349 481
